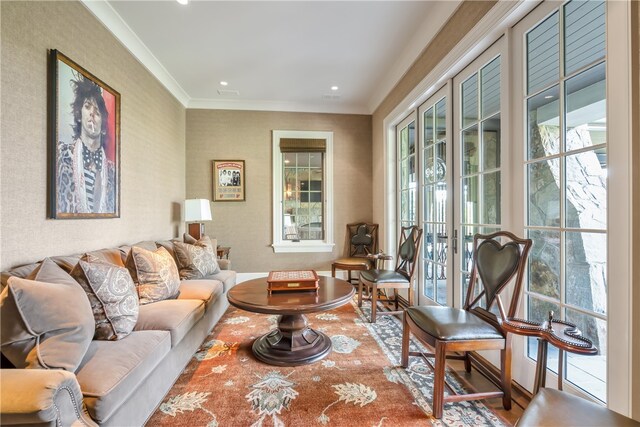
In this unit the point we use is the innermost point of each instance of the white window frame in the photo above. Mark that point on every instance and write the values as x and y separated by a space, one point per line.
287 246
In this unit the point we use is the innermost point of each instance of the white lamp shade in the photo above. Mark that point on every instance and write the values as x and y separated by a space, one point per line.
197 210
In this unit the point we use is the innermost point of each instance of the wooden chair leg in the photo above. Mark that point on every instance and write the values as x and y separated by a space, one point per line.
349 276
406 332
438 379
359 292
395 297
374 302
505 375
467 362
333 270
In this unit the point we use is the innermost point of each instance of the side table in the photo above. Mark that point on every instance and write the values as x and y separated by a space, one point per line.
563 335
223 251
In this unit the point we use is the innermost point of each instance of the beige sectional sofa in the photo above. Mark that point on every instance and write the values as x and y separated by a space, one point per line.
118 383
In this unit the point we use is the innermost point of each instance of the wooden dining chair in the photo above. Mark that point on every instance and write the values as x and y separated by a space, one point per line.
399 278
496 263
363 242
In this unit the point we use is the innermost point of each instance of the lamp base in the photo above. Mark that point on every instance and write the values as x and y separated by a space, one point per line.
196 230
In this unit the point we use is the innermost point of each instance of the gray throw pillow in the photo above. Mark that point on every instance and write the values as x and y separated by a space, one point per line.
112 295
157 274
37 328
196 261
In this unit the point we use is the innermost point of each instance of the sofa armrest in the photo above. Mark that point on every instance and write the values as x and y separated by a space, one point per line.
225 264
41 396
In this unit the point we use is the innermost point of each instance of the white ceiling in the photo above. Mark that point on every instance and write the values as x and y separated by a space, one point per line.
279 56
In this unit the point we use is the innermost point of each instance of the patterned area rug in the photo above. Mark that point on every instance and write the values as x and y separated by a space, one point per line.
359 384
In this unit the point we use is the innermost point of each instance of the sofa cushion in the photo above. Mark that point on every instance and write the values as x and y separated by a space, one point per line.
36 329
113 297
112 370
196 261
227 277
175 316
66 262
107 256
207 290
22 272
157 274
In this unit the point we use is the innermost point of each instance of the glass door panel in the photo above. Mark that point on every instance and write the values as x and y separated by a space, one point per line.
435 286
478 180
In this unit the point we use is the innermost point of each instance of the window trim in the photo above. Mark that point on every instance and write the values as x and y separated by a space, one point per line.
287 246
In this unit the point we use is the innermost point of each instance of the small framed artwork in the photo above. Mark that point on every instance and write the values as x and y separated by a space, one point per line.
228 181
84 143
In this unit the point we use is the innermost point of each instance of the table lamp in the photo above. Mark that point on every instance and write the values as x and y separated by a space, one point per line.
195 211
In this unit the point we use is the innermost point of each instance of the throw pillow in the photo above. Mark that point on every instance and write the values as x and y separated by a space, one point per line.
196 261
112 295
157 273
37 328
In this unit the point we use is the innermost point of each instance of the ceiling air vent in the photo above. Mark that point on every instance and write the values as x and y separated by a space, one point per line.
330 96
228 92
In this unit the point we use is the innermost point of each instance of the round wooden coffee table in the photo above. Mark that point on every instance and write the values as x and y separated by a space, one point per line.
293 342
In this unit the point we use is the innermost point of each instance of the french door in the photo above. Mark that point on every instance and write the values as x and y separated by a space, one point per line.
436 202
481 156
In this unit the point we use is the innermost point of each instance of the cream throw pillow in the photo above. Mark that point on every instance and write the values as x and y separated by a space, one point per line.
157 274
38 327
196 261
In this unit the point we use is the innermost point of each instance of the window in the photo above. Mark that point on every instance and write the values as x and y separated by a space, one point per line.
302 191
566 180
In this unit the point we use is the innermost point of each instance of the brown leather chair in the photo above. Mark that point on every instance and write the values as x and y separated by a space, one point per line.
472 328
558 408
363 242
400 278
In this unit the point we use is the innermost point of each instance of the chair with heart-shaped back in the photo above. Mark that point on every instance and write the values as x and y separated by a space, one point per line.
362 243
399 278
498 260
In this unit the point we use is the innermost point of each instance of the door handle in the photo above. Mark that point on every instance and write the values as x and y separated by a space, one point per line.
455 241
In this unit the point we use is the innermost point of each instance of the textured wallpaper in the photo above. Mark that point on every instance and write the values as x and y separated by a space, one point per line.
246 135
152 136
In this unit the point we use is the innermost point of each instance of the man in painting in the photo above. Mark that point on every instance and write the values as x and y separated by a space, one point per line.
85 176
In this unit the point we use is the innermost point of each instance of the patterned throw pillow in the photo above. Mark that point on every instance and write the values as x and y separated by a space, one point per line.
196 261
36 331
157 274
112 295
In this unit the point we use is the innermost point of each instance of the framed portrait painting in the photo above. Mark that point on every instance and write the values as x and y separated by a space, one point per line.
84 143
228 181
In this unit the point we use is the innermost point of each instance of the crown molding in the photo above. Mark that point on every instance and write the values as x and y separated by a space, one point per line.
257 105
103 11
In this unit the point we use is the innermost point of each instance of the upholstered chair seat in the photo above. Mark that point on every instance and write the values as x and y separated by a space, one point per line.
451 324
364 263
384 276
557 408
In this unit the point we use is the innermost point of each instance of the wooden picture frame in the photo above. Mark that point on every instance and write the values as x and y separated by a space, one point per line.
84 143
228 180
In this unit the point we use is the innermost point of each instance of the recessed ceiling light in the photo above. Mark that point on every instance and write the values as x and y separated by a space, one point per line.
334 88
183 2
223 83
